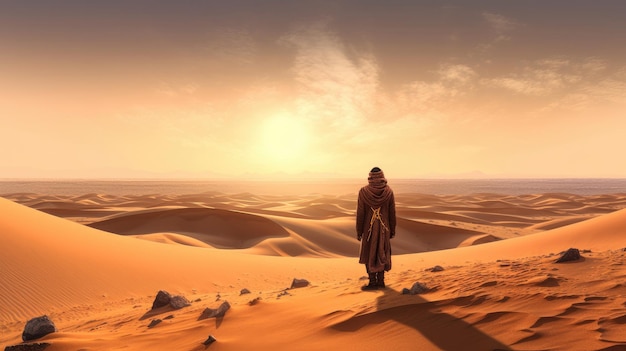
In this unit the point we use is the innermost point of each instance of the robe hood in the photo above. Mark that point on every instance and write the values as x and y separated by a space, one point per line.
377 191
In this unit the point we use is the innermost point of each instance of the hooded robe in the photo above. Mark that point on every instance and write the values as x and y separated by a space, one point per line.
376 223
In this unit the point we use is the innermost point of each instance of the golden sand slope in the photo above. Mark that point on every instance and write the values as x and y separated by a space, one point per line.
508 294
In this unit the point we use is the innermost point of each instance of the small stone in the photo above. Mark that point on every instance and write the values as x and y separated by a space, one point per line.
417 288
254 301
569 256
154 322
37 328
218 312
209 341
436 269
177 302
299 283
171 316
162 299
244 291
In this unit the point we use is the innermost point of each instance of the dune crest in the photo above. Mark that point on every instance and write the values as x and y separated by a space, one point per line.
216 227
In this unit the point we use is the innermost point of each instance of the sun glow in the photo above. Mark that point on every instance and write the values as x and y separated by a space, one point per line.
284 138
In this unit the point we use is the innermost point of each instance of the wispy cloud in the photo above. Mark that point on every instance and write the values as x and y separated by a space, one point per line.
540 78
457 73
335 85
338 91
501 25
593 94
452 82
501 29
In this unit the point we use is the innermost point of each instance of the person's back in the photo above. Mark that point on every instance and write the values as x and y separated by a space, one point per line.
375 226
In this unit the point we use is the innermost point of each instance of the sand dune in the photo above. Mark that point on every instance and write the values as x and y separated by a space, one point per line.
172 238
219 228
500 288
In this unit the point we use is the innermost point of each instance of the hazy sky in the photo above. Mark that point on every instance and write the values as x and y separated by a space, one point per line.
230 88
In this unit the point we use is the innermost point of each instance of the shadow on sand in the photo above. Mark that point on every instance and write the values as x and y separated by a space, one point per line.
444 331
156 311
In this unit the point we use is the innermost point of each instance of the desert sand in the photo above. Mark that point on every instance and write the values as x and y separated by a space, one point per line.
94 264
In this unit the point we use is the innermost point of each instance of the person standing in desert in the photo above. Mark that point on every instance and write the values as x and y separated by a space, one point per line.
375 226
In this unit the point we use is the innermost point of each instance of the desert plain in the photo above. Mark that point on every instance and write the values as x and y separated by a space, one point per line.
94 263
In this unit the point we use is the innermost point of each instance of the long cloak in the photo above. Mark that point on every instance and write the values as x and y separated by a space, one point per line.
374 230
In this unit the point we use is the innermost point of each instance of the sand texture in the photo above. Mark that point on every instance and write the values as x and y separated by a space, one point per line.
94 264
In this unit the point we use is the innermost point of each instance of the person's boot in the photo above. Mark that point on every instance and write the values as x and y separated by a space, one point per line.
380 280
372 284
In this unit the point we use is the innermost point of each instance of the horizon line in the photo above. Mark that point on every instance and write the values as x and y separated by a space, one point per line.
288 178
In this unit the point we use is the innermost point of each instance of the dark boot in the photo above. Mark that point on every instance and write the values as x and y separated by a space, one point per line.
372 284
380 280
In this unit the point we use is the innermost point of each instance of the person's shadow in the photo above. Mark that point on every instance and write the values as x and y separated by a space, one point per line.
444 331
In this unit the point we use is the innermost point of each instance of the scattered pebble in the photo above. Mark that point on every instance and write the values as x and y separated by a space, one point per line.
211 339
436 269
417 288
154 323
569 256
299 283
217 312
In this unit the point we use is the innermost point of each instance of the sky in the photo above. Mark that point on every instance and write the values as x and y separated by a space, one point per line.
230 89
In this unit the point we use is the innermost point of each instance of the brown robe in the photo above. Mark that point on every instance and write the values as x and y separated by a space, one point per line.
375 234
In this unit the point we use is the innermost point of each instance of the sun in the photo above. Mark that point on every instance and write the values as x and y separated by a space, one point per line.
284 138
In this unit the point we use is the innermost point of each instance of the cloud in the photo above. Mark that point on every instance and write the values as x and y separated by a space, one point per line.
577 80
501 28
612 88
500 24
452 82
540 78
339 95
335 85
338 88
457 73
594 94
